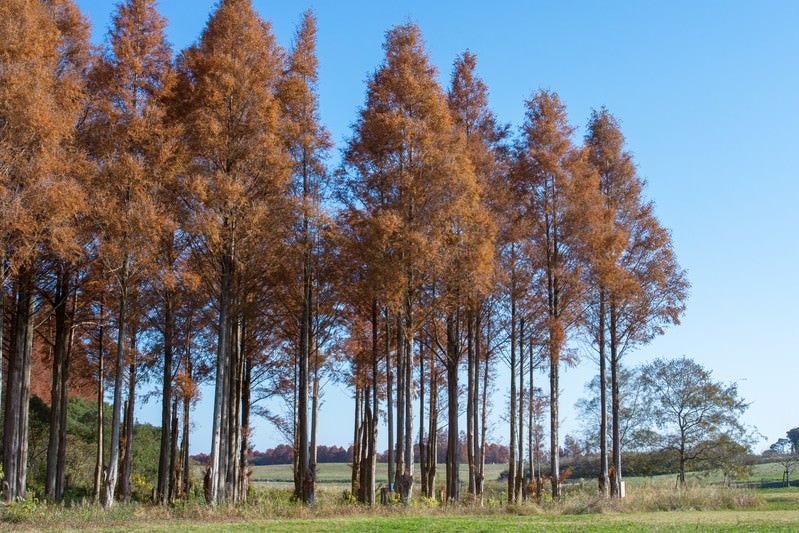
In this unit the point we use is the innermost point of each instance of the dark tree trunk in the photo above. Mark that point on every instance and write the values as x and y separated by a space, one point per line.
453 451
15 423
174 469
389 402
59 371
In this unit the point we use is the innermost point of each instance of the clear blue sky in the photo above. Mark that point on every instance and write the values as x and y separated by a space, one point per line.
708 97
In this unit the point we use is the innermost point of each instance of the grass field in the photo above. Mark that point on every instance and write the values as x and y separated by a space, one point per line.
652 505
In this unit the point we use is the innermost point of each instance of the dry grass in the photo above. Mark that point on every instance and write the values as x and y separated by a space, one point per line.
654 504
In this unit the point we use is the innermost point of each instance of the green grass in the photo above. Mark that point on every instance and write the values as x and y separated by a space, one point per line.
342 473
652 505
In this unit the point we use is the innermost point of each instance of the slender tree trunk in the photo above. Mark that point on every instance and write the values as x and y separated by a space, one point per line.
604 479
483 414
173 452
426 490
246 405
512 447
166 400
214 487
615 402
389 403
59 369
471 404
520 460
184 447
62 426
127 458
315 422
554 450
305 476
400 447
99 468
15 423
407 489
355 481
531 429
375 407
432 434
453 443
110 482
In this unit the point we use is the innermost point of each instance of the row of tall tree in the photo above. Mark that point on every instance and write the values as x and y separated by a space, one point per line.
472 246
175 217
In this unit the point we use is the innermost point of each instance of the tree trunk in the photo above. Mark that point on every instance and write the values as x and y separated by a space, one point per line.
246 395
173 452
166 401
99 467
615 403
453 452
471 404
127 458
62 426
426 490
483 412
355 481
554 449
512 421
305 477
57 397
520 460
110 482
389 403
214 487
15 424
432 434
604 479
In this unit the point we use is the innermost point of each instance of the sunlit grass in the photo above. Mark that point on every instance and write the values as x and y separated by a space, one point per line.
652 504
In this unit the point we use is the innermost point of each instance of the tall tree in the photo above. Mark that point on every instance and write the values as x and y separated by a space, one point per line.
123 135
241 176
307 142
468 103
557 192
40 102
639 285
404 178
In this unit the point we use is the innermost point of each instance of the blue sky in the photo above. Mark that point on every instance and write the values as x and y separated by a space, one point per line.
707 94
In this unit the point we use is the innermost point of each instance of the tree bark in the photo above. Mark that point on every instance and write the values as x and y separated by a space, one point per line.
110 482
99 467
616 403
453 452
166 401
59 370
604 478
